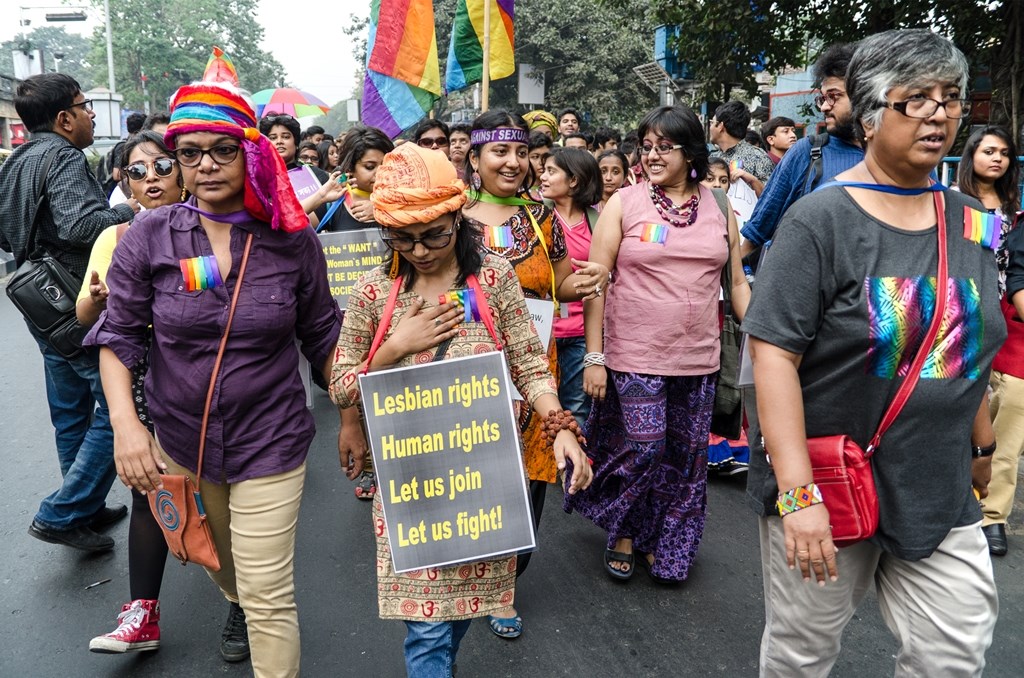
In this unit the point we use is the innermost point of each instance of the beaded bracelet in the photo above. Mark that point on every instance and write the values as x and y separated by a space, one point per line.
592 359
557 421
798 498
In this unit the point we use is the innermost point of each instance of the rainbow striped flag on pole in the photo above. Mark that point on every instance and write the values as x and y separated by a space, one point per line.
403 79
466 50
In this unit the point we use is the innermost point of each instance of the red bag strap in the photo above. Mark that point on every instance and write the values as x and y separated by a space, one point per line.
385 321
389 311
485 310
941 284
220 357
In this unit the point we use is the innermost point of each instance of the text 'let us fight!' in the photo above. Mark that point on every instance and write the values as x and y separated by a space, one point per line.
448 461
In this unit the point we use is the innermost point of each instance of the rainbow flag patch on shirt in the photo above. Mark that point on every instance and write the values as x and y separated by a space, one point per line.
467 298
656 233
982 227
498 236
200 273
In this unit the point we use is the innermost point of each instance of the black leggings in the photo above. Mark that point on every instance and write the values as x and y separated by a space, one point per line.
147 551
538 491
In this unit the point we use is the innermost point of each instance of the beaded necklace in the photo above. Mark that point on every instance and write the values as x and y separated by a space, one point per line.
679 216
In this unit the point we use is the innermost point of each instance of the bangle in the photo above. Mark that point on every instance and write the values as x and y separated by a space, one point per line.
593 359
979 452
798 498
557 421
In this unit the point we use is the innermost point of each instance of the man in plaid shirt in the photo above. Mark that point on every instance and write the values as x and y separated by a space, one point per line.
73 215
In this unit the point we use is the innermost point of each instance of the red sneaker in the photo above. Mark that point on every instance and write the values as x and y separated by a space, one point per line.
137 629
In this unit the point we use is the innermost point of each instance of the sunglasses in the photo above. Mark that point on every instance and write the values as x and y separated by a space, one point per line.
430 142
222 155
310 159
137 171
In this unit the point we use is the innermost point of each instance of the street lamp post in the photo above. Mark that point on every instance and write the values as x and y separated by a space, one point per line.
110 47
57 58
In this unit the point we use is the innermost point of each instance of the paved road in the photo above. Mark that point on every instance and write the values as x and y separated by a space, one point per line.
577 621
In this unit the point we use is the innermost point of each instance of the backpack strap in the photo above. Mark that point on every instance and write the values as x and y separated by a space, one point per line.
815 170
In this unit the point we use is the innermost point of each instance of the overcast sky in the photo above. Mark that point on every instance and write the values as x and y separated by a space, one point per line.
304 35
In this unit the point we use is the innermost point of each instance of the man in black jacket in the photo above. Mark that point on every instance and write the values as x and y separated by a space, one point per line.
69 220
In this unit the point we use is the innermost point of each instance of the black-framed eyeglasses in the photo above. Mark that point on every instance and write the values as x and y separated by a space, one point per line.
830 97
223 154
86 105
660 149
432 142
310 158
137 171
404 243
925 107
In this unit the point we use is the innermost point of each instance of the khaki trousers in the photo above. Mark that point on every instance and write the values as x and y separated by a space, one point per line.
942 609
1007 406
253 524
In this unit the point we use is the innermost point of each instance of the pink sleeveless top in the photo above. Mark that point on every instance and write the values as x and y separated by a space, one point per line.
661 315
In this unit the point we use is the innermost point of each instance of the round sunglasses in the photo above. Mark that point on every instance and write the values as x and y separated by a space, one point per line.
137 171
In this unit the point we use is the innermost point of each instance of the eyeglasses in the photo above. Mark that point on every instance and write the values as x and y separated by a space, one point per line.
137 171
660 149
925 107
436 241
830 97
86 105
310 158
432 142
190 156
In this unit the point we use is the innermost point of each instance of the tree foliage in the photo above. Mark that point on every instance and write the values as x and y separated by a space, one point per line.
55 40
722 39
170 43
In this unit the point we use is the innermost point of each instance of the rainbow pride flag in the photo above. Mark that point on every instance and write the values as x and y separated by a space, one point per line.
498 236
656 233
735 164
982 227
467 299
200 273
466 50
401 43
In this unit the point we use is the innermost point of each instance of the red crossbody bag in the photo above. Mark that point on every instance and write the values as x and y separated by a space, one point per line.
842 470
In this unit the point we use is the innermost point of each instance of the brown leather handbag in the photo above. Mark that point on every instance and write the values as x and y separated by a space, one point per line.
842 470
178 506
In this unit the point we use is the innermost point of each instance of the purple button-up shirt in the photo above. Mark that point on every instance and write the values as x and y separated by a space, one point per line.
259 424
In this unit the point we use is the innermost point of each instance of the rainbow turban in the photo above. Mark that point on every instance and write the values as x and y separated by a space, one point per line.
415 185
217 105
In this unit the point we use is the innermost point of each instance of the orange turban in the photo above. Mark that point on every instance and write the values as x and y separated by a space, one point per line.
415 185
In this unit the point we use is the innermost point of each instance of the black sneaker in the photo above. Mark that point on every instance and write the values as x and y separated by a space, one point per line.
234 641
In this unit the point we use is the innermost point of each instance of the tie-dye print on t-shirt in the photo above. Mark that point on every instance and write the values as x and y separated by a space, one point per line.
901 310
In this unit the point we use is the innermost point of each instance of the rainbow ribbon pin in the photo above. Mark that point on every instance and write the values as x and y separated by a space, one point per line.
200 273
657 233
468 300
982 227
735 164
498 236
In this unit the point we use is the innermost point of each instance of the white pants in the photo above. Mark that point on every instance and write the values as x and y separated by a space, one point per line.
942 609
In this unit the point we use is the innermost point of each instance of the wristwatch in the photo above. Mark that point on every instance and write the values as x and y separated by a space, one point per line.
978 452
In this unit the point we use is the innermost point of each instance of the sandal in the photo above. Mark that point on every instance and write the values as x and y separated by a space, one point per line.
506 627
655 578
610 557
366 486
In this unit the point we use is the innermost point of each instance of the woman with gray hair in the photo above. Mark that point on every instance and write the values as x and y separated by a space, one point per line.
842 306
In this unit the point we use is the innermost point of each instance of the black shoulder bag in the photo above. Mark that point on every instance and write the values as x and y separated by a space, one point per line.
44 291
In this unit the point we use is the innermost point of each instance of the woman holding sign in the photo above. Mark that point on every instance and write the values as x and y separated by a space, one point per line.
653 351
522 231
417 200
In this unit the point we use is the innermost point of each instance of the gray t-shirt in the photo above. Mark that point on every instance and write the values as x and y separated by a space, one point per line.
854 296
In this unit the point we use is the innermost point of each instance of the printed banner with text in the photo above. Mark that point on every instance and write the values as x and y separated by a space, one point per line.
349 255
449 466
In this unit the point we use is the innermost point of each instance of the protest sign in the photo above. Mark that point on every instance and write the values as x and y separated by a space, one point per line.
446 452
743 200
542 313
304 182
349 255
